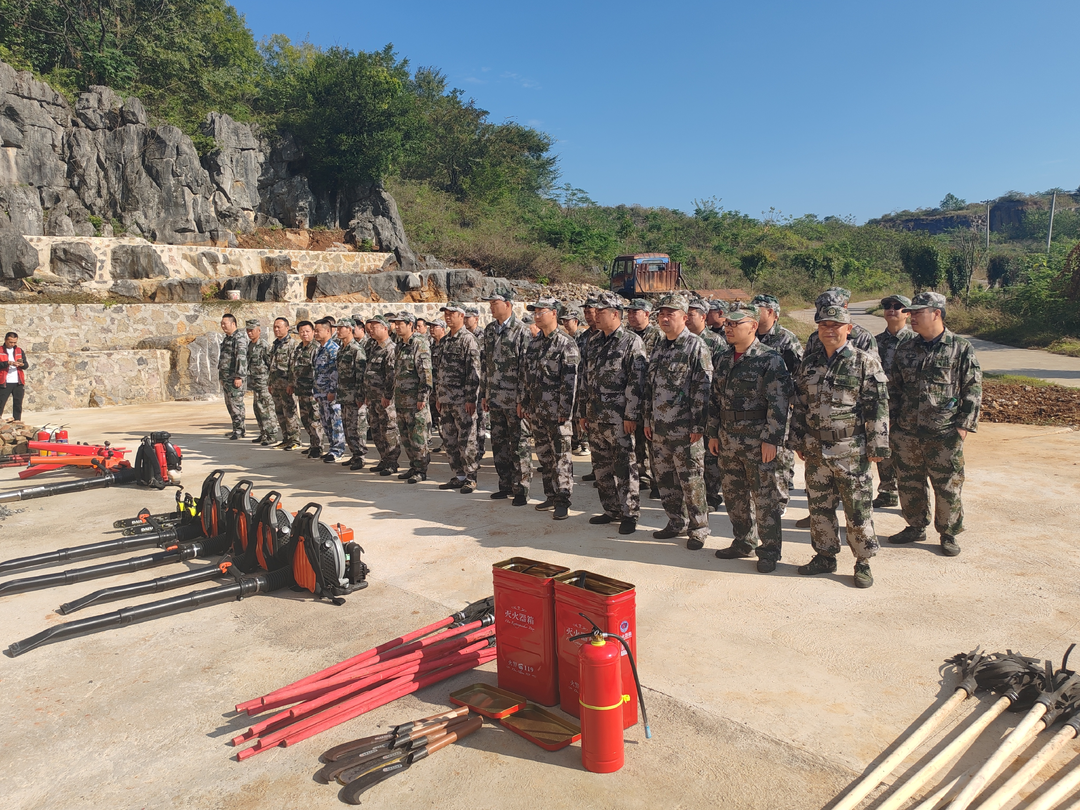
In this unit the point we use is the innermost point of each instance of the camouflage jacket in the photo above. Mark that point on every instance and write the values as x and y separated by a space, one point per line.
550 381
935 387
616 372
504 358
326 376
379 371
887 343
412 372
303 368
232 359
750 396
786 343
280 359
586 340
860 338
676 401
714 343
351 364
258 362
841 404
458 382
650 336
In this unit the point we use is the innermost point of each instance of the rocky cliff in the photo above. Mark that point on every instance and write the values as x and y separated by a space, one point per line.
101 167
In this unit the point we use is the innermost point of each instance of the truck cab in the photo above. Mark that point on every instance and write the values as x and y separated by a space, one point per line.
641 273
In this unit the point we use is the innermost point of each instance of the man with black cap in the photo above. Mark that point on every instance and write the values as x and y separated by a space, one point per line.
506 340
458 391
232 371
612 409
896 332
412 390
258 370
839 425
546 400
935 396
379 391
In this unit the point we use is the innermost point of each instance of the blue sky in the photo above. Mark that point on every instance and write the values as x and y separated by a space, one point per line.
841 108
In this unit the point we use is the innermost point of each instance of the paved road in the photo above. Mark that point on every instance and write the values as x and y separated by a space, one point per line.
993 357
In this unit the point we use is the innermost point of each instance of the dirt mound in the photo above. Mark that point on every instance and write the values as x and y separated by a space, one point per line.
294 239
1030 405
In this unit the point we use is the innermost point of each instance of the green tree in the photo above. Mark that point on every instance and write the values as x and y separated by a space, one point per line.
754 264
921 260
952 203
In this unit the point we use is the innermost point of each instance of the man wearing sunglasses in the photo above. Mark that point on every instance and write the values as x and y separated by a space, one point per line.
896 332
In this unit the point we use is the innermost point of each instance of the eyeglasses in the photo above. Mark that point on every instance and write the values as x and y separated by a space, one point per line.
892 306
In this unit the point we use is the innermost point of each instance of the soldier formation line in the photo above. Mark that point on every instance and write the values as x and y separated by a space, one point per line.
709 405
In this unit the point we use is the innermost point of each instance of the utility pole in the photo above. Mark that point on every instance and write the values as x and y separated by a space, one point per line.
1050 230
988 225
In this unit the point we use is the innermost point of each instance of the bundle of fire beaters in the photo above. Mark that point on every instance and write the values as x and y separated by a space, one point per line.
396 668
1043 693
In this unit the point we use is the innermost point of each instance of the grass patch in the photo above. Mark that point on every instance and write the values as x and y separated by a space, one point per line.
801 329
1016 379
1068 346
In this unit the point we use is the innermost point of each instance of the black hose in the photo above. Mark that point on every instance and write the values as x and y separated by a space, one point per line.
633 666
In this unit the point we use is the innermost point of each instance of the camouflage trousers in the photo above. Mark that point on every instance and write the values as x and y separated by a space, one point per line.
939 459
755 494
483 427
264 408
786 460
458 428
615 466
234 403
510 448
553 455
414 428
714 479
679 471
384 433
886 471
285 410
830 480
309 416
333 430
643 453
354 419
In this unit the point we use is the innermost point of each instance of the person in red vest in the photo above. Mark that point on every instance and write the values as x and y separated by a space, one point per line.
13 367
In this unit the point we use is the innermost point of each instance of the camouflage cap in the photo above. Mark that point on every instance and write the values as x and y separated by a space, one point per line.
345 322
358 319
741 312
404 317
830 298
927 300
845 294
572 312
700 304
903 300
378 319
590 301
544 303
767 301
453 306
253 323
472 311
640 304
610 300
674 301
831 312
716 305
501 295
439 322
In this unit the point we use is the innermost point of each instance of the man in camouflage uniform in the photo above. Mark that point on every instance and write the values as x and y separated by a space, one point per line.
412 390
546 400
232 371
840 424
483 421
935 396
586 340
696 317
280 366
860 337
748 415
506 341
570 322
716 316
637 320
351 362
616 373
896 332
303 384
787 344
458 391
325 390
258 368
676 404
379 393
437 331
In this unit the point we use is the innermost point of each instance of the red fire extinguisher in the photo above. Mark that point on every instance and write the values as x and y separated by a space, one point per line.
43 436
61 437
602 699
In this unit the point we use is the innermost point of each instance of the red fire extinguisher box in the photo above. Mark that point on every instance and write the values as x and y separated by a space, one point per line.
527 660
611 604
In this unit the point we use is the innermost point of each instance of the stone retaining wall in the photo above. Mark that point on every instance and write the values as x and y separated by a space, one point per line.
62 380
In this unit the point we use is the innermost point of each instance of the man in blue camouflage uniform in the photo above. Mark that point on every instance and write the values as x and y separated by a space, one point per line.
840 424
325 391
232 371
896 332
506 341
546 400
748 415
676 405
935 397
458 392
612 408
412 389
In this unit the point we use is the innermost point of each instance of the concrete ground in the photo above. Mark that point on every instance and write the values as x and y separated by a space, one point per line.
764 691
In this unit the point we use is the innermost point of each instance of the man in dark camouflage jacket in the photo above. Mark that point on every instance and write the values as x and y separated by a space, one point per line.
637 320
506 340
232 372
458 392
483 421
303 385
379 393
412 390
896 332
787 344
935 396
280 360
258 367
351 364
696 322
860 337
